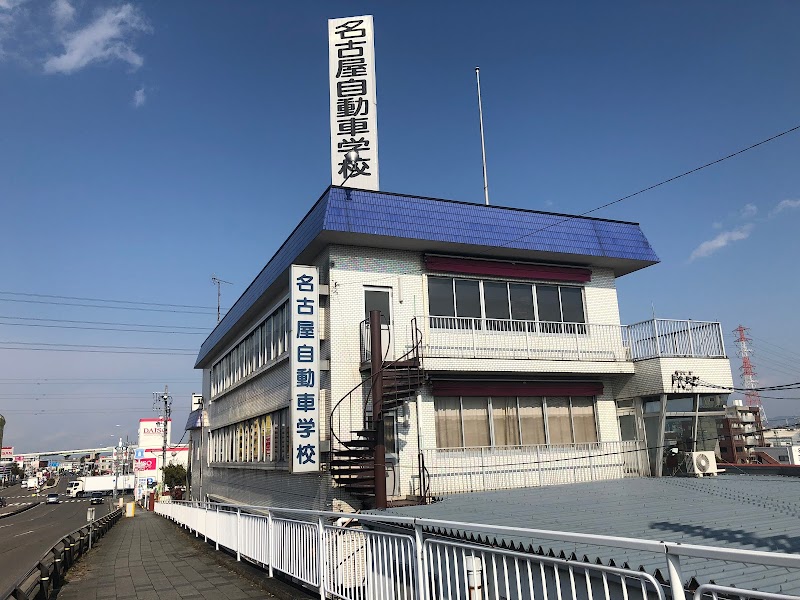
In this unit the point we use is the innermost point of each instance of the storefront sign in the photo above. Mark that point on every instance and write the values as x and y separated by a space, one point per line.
304 368
354 117
144 464
7 452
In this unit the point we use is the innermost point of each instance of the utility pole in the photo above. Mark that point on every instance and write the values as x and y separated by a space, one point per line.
167 401
218 282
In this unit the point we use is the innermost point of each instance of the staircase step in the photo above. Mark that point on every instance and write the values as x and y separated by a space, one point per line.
367 433
363 463
345 474
362 443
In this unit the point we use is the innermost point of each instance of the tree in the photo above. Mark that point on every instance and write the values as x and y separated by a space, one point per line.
15 470
174 475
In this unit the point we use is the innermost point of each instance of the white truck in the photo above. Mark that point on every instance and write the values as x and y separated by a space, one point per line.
84 486
33 483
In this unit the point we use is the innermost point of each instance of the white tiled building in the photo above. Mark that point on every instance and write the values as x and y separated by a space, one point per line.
504 360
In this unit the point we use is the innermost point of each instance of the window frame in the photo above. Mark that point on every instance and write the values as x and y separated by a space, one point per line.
534 296
520 434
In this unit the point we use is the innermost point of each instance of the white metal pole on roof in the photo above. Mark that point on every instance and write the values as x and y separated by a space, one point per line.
483 145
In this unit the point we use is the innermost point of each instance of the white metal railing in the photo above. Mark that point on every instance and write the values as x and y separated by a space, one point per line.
457 470
462 337
674 338
465 337
401 558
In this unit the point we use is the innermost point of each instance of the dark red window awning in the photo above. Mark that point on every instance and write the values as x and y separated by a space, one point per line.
517 388
513 270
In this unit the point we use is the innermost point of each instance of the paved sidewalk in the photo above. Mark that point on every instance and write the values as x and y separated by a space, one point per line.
147 558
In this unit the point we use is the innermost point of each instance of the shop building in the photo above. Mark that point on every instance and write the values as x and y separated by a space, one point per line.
148 455
503 359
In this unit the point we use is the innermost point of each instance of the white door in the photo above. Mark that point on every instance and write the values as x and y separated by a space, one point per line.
380 298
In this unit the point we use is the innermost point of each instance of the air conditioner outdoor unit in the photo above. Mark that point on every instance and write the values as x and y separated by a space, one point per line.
701 463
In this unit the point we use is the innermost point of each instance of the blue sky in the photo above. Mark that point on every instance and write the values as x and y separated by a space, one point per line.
146 145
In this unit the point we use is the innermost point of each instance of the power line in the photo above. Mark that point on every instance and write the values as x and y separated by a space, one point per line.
201 329
28 301
99 351
659 184
95 346
82 383
103 300
103 329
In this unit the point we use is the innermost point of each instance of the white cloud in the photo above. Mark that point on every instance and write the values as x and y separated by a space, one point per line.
748 211
784 205
139 97
716 225
708 247
105 39
63 13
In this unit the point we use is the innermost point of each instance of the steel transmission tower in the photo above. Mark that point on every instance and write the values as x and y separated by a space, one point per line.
748 373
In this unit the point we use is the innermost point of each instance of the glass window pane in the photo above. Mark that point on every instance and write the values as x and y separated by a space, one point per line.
583 420
440 297
448 422
558 423
707 434
468 298
652 404
572 305
270 344
627 427
521 301
532 421
547 303
495 300
378 300
389 433
713 402
680 404
476 421
504 417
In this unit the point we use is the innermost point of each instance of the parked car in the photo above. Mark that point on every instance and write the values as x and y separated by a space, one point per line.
52 499
97 498
24 484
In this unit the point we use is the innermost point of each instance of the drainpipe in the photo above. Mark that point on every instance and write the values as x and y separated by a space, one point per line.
376 360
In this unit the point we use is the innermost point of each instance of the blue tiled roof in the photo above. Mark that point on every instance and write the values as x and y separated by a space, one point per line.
442 224
393 215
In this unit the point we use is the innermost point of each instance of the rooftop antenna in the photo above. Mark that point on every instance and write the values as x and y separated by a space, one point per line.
217 282
483 145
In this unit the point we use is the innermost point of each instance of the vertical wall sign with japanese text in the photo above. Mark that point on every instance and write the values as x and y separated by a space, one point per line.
354 115
304 365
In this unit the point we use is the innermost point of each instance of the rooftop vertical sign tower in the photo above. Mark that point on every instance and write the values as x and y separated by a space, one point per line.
354 115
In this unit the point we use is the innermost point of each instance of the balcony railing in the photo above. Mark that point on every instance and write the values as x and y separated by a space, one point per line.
664 338
458 470
466 337
463 337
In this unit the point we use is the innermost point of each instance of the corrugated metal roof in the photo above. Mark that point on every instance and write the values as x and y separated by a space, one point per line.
362 217
731 511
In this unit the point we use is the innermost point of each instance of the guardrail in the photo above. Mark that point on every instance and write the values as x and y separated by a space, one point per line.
365 556
47 576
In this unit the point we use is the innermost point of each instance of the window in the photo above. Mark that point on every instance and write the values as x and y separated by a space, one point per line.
505 420
495 299
265 343
261 439
584 424
448 422
531 421
468 298
558 423
505 301
475 415
479 421
440 297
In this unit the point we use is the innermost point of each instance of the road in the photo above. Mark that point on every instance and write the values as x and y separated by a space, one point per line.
25 537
